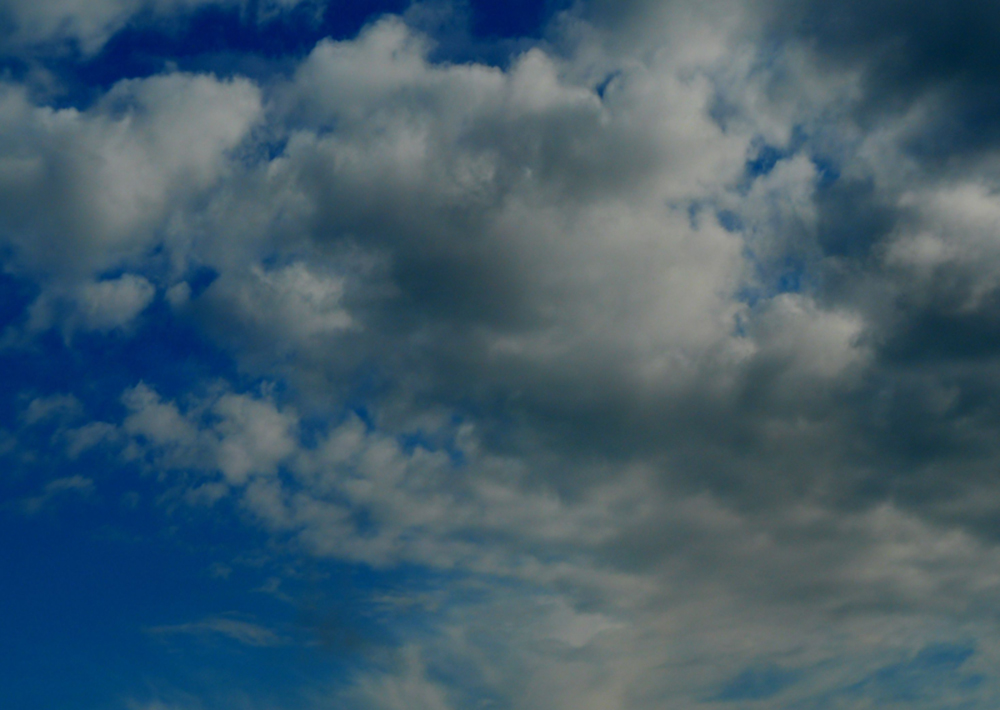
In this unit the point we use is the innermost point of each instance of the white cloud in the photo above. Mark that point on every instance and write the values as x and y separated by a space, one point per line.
811 342
244 632
44 408
254 437
58 488
86 191
88 436
281 311
161 424
109 304
951 238
92 305
237 435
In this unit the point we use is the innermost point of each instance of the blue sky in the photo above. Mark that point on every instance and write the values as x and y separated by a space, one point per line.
536 355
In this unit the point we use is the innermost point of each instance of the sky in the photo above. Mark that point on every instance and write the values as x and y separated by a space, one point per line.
538 355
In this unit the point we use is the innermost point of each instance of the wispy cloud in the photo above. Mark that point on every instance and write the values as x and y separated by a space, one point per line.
55 490
244 632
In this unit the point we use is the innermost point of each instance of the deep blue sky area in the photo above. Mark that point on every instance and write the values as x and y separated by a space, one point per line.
90 576
85 576
100 591
103 589
91 590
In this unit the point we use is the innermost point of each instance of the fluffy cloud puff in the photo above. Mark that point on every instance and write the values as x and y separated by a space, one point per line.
85 191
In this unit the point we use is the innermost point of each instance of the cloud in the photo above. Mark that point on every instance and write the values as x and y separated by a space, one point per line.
409 688
275 312
84 192
593 584
246 436
108 304
88 436
673 350
909 56
58 488
96 305
934 671
55 406
244 632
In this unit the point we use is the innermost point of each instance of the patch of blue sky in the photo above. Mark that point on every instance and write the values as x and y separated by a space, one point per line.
602 86
514 18
229 40
763 162
729 220
759 683
791 275
87 579
827 170
765 157
93 562
114 588
96 367
224 39
935 671
145 610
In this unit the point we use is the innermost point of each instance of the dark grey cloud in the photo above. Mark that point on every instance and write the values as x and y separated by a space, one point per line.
909 52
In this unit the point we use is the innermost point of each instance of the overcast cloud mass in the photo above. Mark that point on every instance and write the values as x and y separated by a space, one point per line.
598 355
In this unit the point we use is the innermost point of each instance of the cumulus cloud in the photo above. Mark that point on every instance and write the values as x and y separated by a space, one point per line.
243 436
93 305
86 191
275 312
